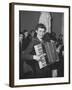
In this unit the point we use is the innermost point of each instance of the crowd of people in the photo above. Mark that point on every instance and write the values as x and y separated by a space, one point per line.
29 60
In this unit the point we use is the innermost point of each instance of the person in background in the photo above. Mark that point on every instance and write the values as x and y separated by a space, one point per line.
58 67
60 50
59 41
51 37
25 40
31 34
24 67
20 53
46 37
20 39
53 40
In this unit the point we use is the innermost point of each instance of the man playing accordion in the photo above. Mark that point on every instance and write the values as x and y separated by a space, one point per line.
40 55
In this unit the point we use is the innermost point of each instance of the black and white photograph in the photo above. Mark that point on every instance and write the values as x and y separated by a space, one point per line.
41 44
40 35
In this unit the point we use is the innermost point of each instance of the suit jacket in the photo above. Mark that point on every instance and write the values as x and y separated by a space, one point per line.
25 42
30 51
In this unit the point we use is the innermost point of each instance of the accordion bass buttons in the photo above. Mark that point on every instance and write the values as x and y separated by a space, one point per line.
39 51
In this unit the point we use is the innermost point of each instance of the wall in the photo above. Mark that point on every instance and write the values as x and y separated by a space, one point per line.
4 44
29 19
57 23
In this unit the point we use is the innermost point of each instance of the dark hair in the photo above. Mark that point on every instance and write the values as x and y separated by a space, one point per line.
20 32
40 25
53 36
25 30
46 37
32 31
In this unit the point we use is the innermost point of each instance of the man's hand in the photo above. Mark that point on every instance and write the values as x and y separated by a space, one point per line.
43 55
37 58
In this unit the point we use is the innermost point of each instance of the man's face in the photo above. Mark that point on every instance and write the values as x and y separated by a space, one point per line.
20 37
26 34
40 32
32 34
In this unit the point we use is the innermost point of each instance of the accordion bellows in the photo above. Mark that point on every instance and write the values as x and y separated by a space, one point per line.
51 52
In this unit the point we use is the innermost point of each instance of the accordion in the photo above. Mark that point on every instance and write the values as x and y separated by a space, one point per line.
51 54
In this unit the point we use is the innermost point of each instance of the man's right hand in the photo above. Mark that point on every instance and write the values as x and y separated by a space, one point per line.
36 57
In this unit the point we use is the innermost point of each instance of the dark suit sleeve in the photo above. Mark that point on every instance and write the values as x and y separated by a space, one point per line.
27 53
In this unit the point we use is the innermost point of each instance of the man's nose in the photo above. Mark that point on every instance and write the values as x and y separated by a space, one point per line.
42 33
